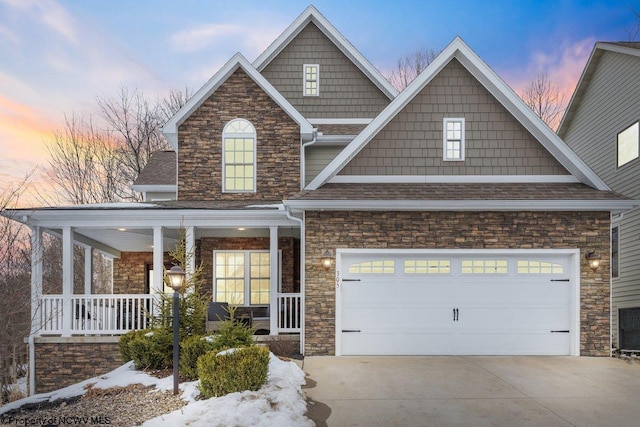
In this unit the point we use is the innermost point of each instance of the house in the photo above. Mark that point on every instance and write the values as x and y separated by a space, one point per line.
445 219
601 126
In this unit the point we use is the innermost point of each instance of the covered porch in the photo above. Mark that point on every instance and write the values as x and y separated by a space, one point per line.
137 237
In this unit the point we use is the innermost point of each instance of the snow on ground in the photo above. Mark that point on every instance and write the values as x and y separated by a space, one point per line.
279 402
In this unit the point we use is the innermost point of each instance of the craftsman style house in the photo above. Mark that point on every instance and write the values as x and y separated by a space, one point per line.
445 219
601 126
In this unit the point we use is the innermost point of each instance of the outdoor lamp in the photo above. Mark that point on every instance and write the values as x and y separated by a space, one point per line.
327 259
594 260
176 280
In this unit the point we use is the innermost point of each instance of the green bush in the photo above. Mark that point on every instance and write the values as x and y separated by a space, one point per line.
151 349
124 343
190 350
240 370
234 334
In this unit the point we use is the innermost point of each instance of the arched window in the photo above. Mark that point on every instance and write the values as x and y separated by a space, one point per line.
239 156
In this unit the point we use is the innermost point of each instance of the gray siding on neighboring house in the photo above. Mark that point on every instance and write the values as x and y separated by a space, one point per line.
345 92
609 104
496 143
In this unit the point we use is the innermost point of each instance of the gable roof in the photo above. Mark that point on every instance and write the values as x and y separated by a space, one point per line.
238 61
499 89
160 169
311 14
600 48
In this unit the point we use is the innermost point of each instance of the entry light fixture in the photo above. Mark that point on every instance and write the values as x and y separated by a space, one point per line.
327 259
176 280
594 260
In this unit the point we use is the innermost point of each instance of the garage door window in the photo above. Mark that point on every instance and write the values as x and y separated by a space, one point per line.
427 266
539 267
386 266
484 266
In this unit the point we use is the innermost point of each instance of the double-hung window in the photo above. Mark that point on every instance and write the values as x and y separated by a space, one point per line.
453 139
239 157
311 74
242 277
628 144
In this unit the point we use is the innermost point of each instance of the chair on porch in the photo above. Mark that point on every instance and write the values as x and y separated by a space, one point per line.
217 312
260 320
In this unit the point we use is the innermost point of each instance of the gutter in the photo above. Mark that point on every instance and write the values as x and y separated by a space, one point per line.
303 160
302 274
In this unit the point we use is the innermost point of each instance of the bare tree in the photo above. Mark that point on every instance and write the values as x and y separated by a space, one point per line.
15 302
635 30
545 99
93 165
409 67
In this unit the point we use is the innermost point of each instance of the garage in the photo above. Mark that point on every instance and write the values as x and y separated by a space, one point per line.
456 302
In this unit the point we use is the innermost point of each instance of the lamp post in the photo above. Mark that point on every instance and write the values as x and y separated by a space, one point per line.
176 280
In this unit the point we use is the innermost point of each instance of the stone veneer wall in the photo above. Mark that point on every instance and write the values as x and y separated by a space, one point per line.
61 362
200 144
130 272
450 230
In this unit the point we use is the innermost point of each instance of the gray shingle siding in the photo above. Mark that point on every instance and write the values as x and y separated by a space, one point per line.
496 143
345 91
609 104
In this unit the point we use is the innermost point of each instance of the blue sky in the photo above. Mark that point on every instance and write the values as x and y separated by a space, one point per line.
57 56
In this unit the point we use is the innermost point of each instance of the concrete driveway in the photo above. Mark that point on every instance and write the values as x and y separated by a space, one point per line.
472 391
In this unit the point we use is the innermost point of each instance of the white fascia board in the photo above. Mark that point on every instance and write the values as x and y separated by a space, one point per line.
173 218
155 188
498 88
353 121
463 205
311 14
170 129
451 179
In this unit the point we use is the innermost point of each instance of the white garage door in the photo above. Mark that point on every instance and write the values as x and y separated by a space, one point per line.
443 302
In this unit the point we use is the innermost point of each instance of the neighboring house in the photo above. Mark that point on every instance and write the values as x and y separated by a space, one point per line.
447 219
602 126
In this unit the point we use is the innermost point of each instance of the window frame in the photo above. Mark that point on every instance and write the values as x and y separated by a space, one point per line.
305 80
247 278
615 252
239 135
446 140
636 124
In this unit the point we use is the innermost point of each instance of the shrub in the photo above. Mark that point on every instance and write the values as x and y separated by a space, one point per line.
238 370
152 349
233 334
124 343
190 350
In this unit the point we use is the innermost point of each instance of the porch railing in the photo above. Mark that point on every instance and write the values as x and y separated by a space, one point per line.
96 314
116 314
290 311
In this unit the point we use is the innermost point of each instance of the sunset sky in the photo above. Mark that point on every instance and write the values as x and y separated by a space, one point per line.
57 56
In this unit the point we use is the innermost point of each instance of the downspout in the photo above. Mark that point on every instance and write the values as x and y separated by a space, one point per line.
302 274
32 365
303 159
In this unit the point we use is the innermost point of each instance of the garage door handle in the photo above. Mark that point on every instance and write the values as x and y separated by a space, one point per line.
562 331
456 315
351 330
350 280
560 280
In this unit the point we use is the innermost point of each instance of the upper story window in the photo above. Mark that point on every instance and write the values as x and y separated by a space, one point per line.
311 79
453 139
628 144
239 157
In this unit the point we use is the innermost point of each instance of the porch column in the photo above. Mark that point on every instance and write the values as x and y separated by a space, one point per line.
88 269
190 246
273 280
37 254
158 260
67 280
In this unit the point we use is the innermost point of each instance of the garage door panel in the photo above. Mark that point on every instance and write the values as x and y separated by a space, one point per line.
507 306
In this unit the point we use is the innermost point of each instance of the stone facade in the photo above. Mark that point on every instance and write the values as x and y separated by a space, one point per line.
451 230
61 362
130 272
200 144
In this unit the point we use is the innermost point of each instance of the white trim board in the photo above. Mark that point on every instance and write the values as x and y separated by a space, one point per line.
451 179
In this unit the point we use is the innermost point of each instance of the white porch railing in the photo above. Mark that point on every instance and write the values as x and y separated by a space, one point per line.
289 319
116 314
96 314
